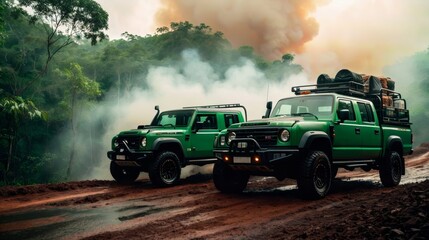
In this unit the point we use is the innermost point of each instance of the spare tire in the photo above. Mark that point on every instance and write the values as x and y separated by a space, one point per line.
346 75
390 84
323 79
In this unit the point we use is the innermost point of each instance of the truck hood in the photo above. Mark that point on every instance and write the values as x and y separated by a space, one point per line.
283 121
157 131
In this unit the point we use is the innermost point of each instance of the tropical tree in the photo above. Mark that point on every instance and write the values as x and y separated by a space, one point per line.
2 9
81 89
13 112
65 22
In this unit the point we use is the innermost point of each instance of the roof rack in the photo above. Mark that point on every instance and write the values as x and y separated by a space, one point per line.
346 88
228 105
383 99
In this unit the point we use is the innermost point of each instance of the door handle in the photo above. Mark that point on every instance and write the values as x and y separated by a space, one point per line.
357 130
376 132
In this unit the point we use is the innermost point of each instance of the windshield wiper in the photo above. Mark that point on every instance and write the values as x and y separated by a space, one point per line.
306 113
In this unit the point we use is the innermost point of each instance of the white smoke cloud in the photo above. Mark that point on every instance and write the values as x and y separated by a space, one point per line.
132 16
195 82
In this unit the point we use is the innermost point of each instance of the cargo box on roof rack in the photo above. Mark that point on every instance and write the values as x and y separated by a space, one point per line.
391 107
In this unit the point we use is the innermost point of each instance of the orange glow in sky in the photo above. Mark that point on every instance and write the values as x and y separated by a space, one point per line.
363 35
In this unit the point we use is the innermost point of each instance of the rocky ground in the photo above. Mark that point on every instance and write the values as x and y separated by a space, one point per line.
358 207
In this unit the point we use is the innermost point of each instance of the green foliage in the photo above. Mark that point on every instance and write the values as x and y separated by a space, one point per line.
80 85
38 169
14 111
288 58
81 88
71 18
80 75
2 10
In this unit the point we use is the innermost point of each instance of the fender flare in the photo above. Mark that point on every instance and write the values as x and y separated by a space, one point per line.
160 141
391 140
309 137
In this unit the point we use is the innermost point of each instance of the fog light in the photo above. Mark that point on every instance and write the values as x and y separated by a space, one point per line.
256 159
226 158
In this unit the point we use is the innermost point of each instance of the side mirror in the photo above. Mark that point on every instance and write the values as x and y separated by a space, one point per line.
157 107
344 114
268 111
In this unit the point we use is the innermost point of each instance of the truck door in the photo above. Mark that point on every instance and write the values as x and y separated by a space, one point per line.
370 131
347 141
204 131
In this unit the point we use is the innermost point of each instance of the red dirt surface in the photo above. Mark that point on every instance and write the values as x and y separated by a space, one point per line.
358 207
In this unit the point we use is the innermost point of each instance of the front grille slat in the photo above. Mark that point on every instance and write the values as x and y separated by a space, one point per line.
264 137
132 142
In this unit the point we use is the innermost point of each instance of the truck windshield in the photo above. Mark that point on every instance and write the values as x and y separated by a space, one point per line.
179 118
307 106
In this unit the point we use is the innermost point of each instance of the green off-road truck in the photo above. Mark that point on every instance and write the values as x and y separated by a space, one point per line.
345 123
174 139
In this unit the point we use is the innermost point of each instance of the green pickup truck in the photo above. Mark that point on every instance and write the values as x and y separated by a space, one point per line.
174 139
309 136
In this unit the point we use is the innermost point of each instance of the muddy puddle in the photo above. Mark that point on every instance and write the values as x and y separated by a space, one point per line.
62 223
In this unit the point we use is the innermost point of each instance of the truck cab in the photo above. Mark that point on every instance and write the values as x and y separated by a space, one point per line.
309 136
174 139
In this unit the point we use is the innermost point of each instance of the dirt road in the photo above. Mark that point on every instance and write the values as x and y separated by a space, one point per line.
357 207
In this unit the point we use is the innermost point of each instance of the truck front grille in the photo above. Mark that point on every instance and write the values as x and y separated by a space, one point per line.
264 136
132 142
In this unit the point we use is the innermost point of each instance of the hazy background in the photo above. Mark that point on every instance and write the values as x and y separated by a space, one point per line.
366 36
325 35
267 47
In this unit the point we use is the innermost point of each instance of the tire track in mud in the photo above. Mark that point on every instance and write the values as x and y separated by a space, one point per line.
192 210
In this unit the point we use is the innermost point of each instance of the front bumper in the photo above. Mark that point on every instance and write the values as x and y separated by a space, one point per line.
126 157
247 154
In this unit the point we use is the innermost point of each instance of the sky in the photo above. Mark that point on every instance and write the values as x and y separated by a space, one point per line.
324 35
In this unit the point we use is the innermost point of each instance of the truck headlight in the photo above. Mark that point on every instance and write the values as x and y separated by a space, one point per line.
222 140
144 142
116 142
284 135
231 136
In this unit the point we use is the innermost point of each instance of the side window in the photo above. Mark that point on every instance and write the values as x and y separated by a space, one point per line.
346 104
230 119
370 113
207 121
363 112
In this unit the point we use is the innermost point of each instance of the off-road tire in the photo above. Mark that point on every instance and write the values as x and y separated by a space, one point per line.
227 180
391 169
124 175
315 176
165 170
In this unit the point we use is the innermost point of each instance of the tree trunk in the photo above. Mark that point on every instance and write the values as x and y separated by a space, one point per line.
73 130
119 85
71 160
9 157
92 144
